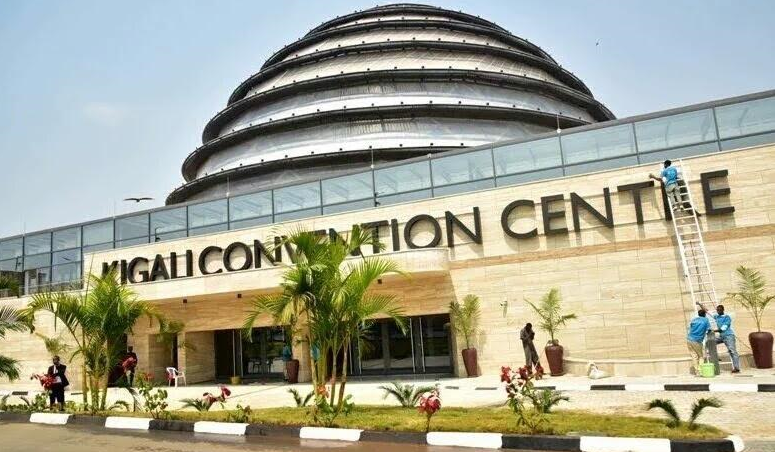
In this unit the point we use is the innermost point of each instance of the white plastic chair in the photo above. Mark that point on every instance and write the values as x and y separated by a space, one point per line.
174 375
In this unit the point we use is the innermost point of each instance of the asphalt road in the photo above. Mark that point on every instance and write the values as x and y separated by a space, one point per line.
17 437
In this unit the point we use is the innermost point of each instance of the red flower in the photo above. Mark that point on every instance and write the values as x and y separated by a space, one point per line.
539 372
225 392
322 391
430 403
46 381
523 373
129 363
505 374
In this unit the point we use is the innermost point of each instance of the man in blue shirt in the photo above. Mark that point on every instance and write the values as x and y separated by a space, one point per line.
727 336
698 328
669 178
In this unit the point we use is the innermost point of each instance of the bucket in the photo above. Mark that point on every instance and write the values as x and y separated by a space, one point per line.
707 370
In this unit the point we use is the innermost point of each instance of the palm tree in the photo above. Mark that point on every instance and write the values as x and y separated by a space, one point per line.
407 395
168 337
674 419
465 317
9 284
750 293
331 294
10 320
96 319
548 311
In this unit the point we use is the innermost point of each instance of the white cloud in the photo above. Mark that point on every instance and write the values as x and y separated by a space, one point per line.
103 113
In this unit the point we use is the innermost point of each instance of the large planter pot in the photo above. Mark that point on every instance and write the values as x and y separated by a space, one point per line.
554 357
292 370
761 346
235 380
470 361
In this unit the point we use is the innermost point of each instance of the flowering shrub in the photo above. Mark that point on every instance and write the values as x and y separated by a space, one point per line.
429 404
208 400
47 381
155 399
128 364
529 404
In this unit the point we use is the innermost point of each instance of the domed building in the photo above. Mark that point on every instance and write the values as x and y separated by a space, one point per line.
379 85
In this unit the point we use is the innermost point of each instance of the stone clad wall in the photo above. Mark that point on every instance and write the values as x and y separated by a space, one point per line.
625 283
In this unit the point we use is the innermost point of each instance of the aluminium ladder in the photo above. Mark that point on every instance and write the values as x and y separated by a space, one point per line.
694 258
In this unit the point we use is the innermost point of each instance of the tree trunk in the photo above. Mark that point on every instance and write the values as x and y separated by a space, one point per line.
344 377
334 352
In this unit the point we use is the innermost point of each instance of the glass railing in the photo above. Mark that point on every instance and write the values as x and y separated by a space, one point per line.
695 130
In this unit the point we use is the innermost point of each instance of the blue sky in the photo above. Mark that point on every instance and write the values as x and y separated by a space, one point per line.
103 100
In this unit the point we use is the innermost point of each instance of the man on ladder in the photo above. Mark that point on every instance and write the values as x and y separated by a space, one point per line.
669 178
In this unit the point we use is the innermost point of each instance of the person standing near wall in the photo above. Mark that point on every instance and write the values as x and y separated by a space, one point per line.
527 335
130 364
698 328
727 336
57 374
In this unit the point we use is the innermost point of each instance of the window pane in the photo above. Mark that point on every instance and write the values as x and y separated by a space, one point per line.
529 177
249 206
208 229
11 248
749 141
297 214
98 233
403 197
132 227
347 188
688 151
598 144
748 117
66 238
65 273
460 188
462 168
521 157
297 197
131 242
348 206
34 244
11 265
37 261
403 178
168 220
250 223
95 248
207 213
66 257
160 237
36 280
678 130
600 166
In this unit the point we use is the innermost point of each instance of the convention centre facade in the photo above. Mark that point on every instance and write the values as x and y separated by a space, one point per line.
482 165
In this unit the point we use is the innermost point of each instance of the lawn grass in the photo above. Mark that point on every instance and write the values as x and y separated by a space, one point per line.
499 420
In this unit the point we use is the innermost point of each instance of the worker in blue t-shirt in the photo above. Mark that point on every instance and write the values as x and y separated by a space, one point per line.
698 328
670 177
727 336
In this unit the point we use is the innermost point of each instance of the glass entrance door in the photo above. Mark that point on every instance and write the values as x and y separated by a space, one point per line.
262 356
423 348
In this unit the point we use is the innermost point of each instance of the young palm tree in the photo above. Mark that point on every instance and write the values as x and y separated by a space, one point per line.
96 320
666 405
674 420
700 405
330 293
465 317
10 320
750 294
548 311
407 395
9 284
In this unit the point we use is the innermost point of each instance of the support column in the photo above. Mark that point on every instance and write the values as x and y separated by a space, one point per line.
196 356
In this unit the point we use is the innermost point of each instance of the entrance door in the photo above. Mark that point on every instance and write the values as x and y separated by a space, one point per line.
423 348
262 355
